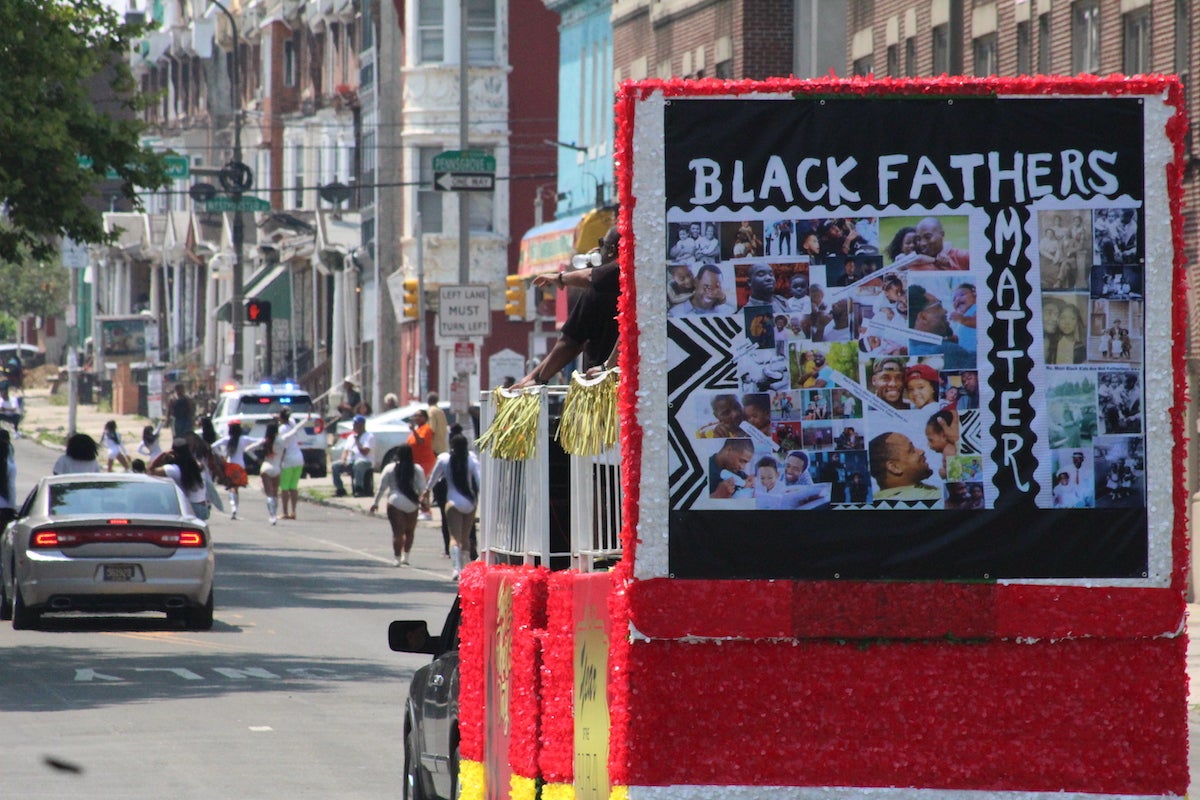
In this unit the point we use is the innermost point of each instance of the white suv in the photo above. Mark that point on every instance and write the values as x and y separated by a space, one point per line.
256 407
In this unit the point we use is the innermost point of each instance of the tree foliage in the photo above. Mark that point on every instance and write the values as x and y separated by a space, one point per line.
52 53
32 286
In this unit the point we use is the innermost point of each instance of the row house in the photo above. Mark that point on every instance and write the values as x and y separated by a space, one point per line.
340 108
293 111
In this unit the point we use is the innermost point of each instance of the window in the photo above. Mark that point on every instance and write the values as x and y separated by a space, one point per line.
1043 45
368 27
289 63
481 204
429 201
941 49
298 176
1137 42
986 55
1024 48
910 57
1182 47
431 37
863 66
481 31
723 70
893 61
1085 36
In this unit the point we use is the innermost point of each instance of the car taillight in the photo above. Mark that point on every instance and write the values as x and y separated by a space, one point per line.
61 539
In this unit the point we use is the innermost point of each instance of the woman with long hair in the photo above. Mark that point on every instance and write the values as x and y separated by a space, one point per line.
272 457
110 440
274 447
181 466
149 446
403 482
234 444
80 456
8 480
460 468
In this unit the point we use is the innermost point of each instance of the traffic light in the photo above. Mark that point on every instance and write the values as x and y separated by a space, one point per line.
412 298
258 312
516 296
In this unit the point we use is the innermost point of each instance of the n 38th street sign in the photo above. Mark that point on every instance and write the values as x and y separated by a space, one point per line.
464 311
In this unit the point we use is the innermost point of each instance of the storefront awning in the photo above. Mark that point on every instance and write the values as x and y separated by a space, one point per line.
270 284
548 247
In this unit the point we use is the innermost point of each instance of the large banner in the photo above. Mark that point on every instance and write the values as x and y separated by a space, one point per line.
909 337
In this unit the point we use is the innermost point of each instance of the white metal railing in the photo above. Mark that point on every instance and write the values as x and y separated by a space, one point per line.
596 509
519 519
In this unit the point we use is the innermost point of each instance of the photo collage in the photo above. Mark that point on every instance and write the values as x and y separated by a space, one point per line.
1092 320
856 367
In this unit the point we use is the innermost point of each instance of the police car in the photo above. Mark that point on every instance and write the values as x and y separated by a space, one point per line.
255 407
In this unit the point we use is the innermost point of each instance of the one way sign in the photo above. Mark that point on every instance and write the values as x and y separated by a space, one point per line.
464 181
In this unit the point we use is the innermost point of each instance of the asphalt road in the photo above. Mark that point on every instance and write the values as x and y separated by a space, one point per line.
293 694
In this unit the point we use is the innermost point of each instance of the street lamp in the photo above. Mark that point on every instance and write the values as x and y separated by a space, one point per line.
235 191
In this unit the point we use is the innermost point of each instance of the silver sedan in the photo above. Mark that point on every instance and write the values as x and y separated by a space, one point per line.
105 542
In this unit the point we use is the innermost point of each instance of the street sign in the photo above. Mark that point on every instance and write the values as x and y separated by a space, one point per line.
464 311
464 181
464 171
178 167
219 204
74 254
464 161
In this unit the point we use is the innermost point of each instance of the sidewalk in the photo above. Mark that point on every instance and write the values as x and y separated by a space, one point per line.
46 422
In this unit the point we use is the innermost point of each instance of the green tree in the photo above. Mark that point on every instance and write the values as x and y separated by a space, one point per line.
52 54
32 286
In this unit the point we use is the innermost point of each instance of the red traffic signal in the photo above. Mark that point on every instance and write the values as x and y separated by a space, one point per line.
258 311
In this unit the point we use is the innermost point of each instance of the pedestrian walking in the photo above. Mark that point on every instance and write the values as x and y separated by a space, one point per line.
234 447
460 468
402 482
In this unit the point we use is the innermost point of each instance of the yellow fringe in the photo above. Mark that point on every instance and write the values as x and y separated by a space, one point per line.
512 435
558 791
589 418
471 778
522 788
619 793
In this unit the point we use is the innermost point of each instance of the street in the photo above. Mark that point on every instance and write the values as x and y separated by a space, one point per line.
294 693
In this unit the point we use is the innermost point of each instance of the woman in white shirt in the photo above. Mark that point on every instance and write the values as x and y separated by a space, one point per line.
110 440
403 484
460 469
182 467
274 447
149 446
79 458
235 444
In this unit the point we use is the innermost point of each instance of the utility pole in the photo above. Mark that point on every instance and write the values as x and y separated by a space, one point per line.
235 188
464 144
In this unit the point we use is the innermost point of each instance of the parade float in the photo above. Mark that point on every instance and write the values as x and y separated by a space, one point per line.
827 587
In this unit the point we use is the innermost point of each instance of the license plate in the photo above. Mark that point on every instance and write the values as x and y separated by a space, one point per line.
120 572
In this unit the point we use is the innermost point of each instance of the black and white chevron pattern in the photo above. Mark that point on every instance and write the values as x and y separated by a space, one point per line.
706 345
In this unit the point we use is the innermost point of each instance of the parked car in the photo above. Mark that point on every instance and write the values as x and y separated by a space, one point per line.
431 737
255 408
391 429
106 542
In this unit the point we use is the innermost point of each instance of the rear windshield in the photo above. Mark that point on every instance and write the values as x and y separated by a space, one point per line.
272 404
114 497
